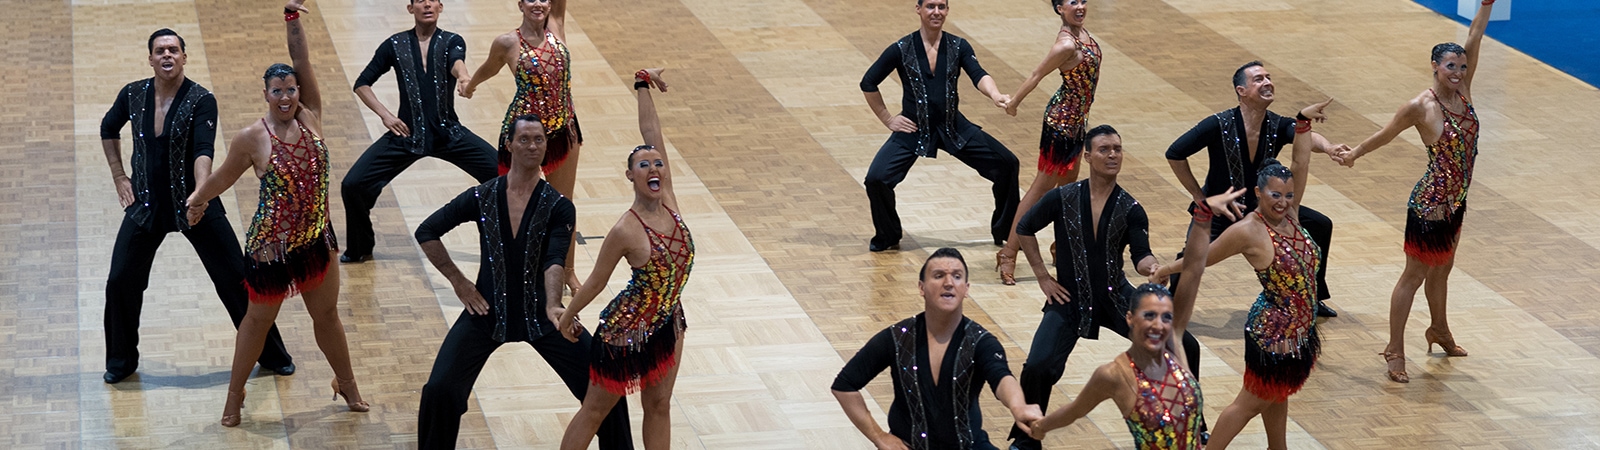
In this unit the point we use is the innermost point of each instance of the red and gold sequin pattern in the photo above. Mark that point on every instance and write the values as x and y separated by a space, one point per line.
651 297
1443 188
290 238
1286 310
543 86
1167 412
1068 112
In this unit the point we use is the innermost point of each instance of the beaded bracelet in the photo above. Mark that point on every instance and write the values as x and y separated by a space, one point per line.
1302 126
291 16
1202 212
642 75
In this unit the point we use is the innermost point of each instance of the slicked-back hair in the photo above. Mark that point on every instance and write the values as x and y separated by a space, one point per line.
276 71
530 118
1148 290
1446 48
944 252
1102 130
1238 75
1270 169
151 44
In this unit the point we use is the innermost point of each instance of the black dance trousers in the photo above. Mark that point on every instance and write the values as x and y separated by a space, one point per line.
983 153
462 356
1053 343
1316 223
383 161
131 259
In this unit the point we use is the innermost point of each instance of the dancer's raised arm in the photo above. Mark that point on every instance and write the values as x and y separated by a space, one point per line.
300 54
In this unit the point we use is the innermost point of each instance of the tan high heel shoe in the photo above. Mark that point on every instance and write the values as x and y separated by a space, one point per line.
1445 340
1398 376
232 420
1007 266
339 386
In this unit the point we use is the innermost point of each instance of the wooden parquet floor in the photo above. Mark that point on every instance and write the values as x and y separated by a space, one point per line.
770 140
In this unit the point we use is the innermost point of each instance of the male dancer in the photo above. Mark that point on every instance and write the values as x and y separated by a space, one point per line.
1238 140
1095 221
943 414
174 127
428 63
524 227
930 62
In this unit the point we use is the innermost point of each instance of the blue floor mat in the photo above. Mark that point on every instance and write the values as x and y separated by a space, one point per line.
1563 33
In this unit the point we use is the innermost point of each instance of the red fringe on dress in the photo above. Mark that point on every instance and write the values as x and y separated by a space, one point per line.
1275 377
624 370
1433 242
1058 154
300 270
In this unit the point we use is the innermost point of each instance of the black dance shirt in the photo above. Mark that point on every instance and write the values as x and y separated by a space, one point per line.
519 315
929 95
1089 265
987 365
1222 134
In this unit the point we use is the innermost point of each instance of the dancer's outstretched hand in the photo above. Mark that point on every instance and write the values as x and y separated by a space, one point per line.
655 78
296 5
1314 112
1227 204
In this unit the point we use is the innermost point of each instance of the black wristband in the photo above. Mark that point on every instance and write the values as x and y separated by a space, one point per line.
637 85
1300 117
290 11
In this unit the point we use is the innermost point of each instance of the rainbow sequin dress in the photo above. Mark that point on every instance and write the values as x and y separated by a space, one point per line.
544 88
1434 213
291 239
1162 422
1283 317
1066 118
636 342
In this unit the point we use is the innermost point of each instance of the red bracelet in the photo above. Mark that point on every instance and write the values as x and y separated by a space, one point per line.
1302 126
292 16
1488 2
642 75
1202 212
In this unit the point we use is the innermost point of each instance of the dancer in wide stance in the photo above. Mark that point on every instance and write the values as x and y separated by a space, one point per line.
640 335
290 246
1444 117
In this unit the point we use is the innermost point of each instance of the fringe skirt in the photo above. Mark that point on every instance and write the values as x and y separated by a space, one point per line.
1433 241
1058 152
298 270
1274 377
641 363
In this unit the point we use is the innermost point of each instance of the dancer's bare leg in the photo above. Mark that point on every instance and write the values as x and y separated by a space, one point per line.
1436 289
1405 291
564 179
597 403
1042 184
247 346
658 407
1244 407
1276 419
322 302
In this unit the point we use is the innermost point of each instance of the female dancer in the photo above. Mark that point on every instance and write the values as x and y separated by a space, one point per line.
542 67
290 246
1077 56
640 335
1433 215
1158 397
1281 343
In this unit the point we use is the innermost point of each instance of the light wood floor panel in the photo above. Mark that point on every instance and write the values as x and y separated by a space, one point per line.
770 141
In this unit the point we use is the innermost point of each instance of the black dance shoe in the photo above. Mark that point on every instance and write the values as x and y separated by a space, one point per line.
114 377
876 247
285 371
348 258
1324 311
